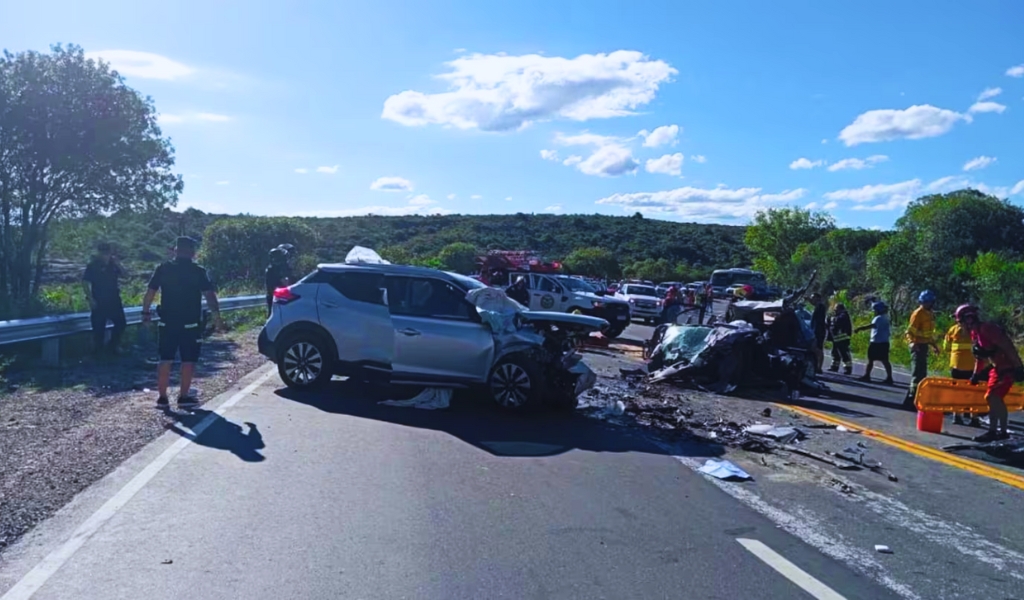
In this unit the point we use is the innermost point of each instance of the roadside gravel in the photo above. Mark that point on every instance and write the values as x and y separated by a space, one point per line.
61 430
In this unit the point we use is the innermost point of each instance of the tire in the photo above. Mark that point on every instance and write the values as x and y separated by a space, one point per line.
517 383
305 362
614 332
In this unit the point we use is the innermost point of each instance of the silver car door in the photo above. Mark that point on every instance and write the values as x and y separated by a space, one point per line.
353 310
437 333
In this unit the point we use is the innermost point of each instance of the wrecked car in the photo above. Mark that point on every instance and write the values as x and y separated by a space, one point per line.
759 342
417 326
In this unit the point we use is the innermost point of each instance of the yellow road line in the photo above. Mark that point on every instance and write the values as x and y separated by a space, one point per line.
973 466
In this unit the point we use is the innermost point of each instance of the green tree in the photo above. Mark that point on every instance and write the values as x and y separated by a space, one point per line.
74 141
776 234
236 249
840 259
649 269
593 262
459 257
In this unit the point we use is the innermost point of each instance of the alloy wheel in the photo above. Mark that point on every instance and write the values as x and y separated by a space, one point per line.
510 385
303 363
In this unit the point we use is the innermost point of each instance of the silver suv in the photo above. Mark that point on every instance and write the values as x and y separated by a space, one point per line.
414 325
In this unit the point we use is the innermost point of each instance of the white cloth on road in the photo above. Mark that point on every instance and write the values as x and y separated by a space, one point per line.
428 399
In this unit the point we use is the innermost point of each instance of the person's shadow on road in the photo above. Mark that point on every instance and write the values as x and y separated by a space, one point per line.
219 433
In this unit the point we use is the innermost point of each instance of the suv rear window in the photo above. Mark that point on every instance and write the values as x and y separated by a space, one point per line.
358 286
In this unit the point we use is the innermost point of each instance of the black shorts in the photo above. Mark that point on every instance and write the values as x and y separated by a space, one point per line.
960 374
177 339
878 351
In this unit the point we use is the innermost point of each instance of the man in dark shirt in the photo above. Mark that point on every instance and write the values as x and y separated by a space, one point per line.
519 292
182 284
278 274
104 295
820 330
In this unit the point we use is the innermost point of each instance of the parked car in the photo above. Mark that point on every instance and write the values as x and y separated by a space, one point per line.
643 301
415 326
662 288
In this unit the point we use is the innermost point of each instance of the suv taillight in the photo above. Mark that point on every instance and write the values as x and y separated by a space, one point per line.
284 296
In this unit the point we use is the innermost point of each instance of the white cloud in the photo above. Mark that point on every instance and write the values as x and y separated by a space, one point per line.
916 122
421 200
856 164
302 170
669 164
508 198
327 170
875 228
805 163
699 158
497 92
575 159
987 107
225 182
549 154
145 65
903 191
382 211
894 196
666 134
811 205
824 140
715 204
830 206
610 158
166 118
476 197
391 184
1017 71
989 93
1018 188
554 208
451 196
978 163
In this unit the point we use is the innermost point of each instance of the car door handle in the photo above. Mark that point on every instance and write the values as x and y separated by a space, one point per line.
408 331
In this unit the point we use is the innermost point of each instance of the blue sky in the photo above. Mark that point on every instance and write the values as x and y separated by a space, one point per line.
682 110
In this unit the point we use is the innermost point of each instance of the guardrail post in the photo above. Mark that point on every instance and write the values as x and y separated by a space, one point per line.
51 352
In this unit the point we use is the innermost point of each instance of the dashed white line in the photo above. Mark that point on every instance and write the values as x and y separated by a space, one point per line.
798 576
41 573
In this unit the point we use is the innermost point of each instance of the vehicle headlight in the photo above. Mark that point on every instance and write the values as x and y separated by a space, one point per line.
632 301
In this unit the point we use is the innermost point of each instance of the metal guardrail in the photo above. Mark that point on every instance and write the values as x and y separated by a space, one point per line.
51 329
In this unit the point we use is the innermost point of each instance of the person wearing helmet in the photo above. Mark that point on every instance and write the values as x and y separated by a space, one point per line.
878 347
842 329
277 274
997 360
961 360
920 335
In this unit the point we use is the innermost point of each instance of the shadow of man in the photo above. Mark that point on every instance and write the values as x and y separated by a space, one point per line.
219 433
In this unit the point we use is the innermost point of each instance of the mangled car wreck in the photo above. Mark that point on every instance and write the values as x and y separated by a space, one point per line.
374 321
758 343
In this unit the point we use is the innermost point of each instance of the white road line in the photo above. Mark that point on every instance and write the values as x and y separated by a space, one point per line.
790 571
34 579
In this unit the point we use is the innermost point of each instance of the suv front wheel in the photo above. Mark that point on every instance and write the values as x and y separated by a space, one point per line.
305 361
517 382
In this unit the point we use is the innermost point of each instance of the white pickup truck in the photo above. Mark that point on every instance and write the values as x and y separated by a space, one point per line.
562 293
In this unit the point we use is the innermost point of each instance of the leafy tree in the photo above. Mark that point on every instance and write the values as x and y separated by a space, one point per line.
840 259
593 262
236 249
656 270
777 233
459 257
996 284
75 141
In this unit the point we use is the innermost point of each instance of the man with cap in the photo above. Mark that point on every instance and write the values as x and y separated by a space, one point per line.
103 292
182 284
920 335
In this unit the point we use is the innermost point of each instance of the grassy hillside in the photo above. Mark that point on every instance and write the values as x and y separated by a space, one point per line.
143 240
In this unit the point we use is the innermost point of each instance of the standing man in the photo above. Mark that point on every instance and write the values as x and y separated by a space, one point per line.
961 361
103 292
182 284
878 347
997 361
921 336
820 327
842 329
277 274
519 292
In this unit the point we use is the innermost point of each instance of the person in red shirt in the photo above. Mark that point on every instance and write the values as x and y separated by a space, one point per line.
995 357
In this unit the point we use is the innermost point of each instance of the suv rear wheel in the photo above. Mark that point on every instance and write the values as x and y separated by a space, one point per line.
305 361
517 382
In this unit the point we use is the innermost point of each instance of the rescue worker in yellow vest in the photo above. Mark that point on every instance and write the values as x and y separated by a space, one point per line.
920 335
961 362
842 329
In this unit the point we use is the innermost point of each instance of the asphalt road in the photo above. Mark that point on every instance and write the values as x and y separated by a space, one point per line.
331 495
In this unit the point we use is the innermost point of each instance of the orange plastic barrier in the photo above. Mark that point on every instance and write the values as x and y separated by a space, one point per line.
941 394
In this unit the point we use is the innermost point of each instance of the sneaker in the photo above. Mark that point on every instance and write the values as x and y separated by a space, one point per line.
847 371
865 379
989 436
889 381
187 401
834 369
163 402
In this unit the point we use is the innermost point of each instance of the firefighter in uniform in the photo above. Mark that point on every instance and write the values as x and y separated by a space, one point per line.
182 284
921 336
997 361
842 329
961 361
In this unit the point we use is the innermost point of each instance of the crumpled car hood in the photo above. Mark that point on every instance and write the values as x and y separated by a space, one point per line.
578 322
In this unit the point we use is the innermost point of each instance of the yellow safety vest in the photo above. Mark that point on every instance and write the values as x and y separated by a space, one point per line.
921 328
958 344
